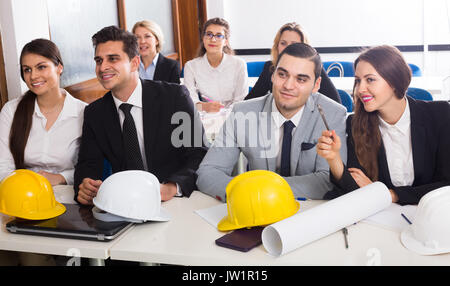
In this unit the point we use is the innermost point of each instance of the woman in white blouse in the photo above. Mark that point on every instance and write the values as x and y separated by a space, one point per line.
391 138
216 78
41 130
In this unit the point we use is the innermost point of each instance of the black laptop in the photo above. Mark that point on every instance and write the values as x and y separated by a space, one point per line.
77 222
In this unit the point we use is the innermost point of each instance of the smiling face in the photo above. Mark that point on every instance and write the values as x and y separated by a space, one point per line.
371 89
214 45
115 71
147 42
287 38
293 83
40 74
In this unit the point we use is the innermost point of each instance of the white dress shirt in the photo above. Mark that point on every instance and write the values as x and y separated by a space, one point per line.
397 143
148 73
227 83
136 100
278 129
54 151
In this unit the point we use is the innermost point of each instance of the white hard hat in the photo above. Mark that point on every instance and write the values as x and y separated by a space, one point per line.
131 196
429 232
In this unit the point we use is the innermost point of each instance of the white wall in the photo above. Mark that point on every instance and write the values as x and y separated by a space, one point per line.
20 22
331 23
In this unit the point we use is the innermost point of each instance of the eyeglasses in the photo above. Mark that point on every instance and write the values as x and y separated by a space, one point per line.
219 37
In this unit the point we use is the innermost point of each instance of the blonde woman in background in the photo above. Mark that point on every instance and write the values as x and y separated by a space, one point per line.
154 66
288 34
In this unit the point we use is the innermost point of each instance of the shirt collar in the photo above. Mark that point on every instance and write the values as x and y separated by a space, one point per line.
220 66
402 124
154 62
135 99
280 119
69 108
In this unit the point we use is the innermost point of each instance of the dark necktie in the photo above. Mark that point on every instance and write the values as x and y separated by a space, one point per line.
285 169
133 157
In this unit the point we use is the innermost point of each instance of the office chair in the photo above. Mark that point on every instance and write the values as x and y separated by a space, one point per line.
419 93
346 100
254 69
415 70
339 68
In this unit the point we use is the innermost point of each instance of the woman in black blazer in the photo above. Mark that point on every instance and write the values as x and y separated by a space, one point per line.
288 34
391 138
154 65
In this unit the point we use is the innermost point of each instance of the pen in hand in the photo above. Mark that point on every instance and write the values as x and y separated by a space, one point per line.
323 117
345 232
407 220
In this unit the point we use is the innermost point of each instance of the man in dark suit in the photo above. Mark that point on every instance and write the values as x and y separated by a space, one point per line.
131 126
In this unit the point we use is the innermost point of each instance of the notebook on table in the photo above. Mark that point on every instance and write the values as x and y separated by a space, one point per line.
77 222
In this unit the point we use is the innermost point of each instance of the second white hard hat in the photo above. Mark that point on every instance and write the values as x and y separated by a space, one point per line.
130 195
429 232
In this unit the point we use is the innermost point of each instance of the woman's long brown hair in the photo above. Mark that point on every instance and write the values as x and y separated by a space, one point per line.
23 117
391 66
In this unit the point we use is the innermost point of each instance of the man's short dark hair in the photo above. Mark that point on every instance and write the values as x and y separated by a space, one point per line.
304 51
113 33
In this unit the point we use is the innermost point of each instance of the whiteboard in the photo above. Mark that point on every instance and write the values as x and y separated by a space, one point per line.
72 25
158 11
328 23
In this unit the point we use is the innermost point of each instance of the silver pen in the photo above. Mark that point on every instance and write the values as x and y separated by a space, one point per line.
323 116
345 231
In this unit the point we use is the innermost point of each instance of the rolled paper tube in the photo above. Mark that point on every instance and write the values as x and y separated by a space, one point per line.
320 221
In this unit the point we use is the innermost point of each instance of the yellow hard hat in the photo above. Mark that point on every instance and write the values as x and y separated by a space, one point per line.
26 194
257 198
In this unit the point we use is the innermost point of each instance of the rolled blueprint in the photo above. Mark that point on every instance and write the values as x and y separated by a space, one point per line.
322 220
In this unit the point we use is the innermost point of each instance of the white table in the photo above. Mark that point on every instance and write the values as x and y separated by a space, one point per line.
96 251
189 240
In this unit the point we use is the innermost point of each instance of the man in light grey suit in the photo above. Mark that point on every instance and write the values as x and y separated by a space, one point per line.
278 132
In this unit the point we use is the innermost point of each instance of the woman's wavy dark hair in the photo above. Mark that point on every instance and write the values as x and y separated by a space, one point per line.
392 67
23 117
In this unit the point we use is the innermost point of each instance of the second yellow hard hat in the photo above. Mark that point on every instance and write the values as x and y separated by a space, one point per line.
257 198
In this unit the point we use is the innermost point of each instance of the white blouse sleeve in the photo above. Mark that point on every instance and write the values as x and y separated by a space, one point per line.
189 82
241 88
7 164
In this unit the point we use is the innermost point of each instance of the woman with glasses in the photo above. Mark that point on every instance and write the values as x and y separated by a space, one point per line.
288 34
216 78
154 65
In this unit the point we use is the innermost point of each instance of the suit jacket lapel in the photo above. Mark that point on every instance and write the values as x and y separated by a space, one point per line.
113 129
383 167
300 132
265 126
418 137
150 113
159 66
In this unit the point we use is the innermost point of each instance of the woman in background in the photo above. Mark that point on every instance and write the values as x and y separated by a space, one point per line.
41 130
154 66
288 34
391 138
216 78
